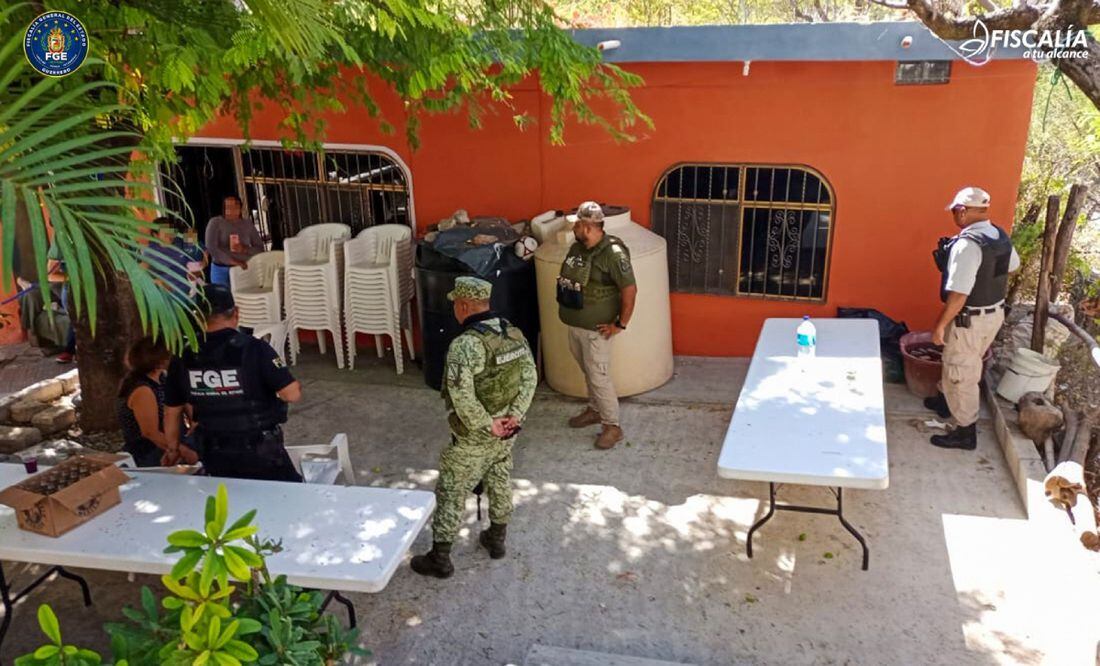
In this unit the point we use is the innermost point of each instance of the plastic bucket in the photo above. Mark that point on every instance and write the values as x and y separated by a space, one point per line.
923 363
1027 371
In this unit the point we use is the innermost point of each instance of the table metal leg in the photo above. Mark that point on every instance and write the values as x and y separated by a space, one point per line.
9 605
848 526
333 595
838 512
9 600
766 518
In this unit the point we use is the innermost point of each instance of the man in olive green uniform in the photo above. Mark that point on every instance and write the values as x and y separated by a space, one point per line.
488 386
596 295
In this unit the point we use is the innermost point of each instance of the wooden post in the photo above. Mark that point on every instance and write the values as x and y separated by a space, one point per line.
1046 260
1065 238
1069 433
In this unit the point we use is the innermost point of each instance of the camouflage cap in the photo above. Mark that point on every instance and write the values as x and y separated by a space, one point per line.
589 211
470 288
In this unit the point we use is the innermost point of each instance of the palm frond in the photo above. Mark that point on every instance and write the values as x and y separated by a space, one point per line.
82 189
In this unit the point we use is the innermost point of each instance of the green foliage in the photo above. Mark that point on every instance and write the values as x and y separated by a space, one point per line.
223 609
1063 148
162 70
56 653
58 166
608 13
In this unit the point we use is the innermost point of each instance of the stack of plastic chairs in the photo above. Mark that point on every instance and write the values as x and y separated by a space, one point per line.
258 290
314 271
378 289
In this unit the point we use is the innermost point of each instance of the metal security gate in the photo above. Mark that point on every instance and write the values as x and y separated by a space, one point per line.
287 190
746 229
291 190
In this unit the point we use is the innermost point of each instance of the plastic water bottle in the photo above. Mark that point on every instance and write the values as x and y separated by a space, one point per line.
807 338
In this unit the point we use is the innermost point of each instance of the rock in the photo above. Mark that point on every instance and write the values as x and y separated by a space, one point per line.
77 399
5 410
1039 418
24 410
70 381
54 419
14 438
44 391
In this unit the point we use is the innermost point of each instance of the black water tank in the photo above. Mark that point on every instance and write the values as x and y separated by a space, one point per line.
515 297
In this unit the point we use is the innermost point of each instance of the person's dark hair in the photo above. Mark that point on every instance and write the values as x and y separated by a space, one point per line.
234 197
178 225
218 301
142 357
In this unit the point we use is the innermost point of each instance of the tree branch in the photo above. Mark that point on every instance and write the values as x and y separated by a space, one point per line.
1020 17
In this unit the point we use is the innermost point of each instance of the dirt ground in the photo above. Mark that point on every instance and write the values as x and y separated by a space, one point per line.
641 550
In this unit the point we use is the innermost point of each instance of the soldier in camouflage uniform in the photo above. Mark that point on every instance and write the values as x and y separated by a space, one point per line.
488 386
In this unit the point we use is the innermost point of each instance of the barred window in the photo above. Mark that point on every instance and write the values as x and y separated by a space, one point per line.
287 190
291 190
746 229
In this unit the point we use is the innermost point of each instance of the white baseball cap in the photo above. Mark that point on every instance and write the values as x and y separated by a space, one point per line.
589 211
971 197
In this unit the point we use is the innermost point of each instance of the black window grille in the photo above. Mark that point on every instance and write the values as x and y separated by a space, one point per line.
922 72
746 229
289 190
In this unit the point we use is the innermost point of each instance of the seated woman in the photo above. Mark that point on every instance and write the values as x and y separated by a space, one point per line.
140 403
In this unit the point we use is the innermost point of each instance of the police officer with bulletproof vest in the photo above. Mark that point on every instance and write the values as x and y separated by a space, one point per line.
238 389
488 386
974 266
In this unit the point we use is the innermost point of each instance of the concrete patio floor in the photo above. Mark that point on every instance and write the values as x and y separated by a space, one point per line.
640 550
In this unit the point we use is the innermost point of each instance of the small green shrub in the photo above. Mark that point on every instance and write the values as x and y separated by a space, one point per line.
223 609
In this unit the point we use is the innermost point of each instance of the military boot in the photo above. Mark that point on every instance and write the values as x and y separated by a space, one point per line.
436 562
493 540
938 404
963 437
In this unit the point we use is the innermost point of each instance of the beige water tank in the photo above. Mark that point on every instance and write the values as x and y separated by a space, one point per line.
641 356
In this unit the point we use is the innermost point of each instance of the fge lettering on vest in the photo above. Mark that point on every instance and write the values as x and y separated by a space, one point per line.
215 381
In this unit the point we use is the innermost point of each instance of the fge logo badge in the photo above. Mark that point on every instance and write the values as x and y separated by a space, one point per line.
56 44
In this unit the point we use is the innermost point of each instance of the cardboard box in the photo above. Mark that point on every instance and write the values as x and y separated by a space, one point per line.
68 494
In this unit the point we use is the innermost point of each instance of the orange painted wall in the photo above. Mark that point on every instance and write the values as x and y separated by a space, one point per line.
894 156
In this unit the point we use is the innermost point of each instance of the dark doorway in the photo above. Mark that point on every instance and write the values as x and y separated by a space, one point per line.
204 175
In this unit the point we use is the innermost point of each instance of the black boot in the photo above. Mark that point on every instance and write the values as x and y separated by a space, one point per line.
962 437
436 562
493 540
938 405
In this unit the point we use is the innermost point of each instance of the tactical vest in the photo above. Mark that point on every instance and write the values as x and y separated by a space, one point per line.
991 282
580 275
225 396
498 384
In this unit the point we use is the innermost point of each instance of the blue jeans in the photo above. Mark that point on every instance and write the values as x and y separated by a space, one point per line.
219 274
70 336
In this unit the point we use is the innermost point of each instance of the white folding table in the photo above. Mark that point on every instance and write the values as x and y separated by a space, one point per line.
336 538
816 421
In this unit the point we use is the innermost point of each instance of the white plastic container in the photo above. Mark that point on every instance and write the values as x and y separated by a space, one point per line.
641 356
1027 371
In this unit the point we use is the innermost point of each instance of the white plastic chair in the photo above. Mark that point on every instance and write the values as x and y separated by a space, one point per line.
312 287
257 290
377 270
324 235
275 332
339 445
